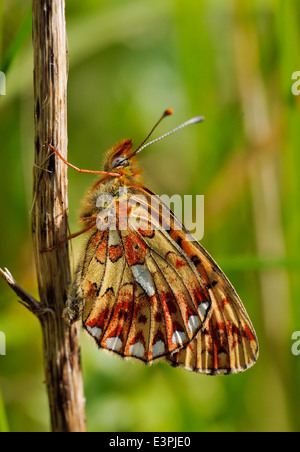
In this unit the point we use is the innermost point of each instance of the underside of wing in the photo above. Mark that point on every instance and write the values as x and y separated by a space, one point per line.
227 342
142 297
149 291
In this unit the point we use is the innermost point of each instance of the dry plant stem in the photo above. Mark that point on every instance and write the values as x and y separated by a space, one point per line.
26 300
49 216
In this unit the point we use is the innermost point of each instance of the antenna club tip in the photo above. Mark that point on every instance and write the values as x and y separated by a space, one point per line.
168 112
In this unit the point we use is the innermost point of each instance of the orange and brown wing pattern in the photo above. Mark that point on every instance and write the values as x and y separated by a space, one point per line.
142 297
147 291
227 343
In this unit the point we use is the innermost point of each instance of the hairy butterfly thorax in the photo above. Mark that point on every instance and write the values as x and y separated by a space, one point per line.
142 288
115 161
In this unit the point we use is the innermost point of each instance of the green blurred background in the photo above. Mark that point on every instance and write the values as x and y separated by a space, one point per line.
231 61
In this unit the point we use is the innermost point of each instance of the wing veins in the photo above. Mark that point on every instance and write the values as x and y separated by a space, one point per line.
116 299
172 293
134 281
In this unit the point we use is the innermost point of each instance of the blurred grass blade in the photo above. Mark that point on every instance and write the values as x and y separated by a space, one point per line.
23 34
1 31
254 263
87 36
3 419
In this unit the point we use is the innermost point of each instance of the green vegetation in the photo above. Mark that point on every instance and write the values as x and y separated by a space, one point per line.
231 61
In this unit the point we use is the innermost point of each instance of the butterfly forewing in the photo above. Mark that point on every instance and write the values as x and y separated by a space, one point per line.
227 343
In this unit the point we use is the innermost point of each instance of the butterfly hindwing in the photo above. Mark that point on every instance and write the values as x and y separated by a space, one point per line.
143 297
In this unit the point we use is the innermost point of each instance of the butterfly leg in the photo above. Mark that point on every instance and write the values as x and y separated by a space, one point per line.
105 173
70 237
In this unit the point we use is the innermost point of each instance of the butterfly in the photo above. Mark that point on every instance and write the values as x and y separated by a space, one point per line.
143 287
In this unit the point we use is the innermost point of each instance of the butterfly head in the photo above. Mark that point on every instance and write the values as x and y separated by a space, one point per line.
119 159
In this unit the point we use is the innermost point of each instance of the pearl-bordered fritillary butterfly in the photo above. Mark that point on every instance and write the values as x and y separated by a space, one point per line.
143 288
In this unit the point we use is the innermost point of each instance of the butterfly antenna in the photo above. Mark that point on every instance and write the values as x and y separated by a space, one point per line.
166 113
142 146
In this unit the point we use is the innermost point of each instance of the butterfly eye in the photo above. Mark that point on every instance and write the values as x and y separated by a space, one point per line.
119 161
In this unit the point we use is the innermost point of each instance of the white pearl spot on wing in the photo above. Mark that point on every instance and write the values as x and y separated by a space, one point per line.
137 350
178 337
202 308
114 343
94 331
143 276
193 323
158 348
